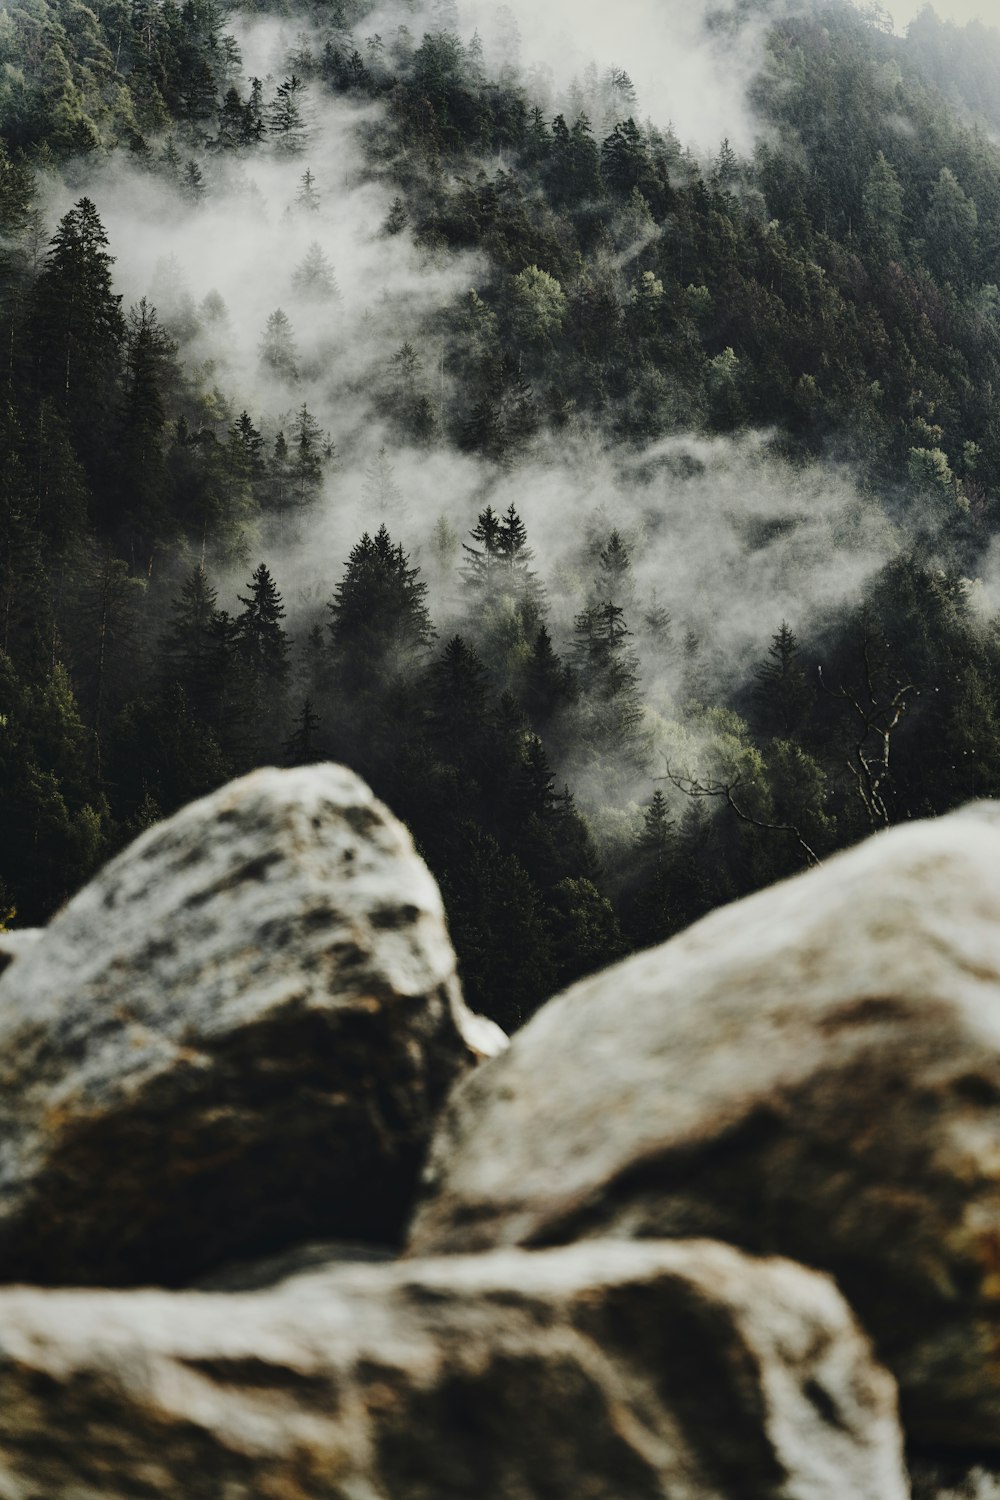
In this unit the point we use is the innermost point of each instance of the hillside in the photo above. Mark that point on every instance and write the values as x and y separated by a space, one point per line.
620 503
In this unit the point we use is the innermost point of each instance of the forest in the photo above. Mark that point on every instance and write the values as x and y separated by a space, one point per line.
623 508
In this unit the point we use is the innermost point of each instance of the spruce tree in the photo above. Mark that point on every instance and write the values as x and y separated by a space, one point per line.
651 917
302 746
608 672
199 649
261 653
277 347
77 328
261 642
313 277
379 625
457 697
285 122
781 692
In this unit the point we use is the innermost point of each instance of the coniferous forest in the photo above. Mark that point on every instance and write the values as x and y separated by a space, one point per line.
623 507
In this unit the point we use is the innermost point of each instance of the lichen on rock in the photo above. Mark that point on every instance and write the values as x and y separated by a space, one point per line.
235 1038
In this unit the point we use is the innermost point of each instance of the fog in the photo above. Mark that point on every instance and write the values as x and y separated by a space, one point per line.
959 11
724 535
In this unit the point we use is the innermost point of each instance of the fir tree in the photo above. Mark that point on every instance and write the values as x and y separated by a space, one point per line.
77 325
781 693
457 695
277 347
199 649
307 198
651 917
313 277
285 121
302 746
379 624
261 648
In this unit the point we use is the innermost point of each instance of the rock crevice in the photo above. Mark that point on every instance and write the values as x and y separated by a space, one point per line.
722 1223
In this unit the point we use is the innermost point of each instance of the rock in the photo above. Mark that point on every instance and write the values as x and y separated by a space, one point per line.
234 1039
814 1071
17 942
932 1481
601 1371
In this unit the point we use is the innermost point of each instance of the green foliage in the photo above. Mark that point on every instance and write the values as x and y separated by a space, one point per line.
836 289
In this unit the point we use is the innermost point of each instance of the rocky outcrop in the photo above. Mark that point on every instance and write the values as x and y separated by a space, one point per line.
814 1072
612 1371
934 1481
646 1230
236 1038
15 944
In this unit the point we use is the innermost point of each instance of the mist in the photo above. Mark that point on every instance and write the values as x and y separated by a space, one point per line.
723 534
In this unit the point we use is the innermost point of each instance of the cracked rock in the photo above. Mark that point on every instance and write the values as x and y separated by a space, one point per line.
600 1371
236 1038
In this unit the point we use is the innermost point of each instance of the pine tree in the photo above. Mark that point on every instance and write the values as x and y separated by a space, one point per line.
306 456
548 684
302 746
381 493
261 642
484 561
199 649
277 347
77 326
193 183
585 931
249 445
307 198
232 122
651 917
502 561
614 577
515 554
261 648
379 625
313 277
781 692
495 917
457 695
150 369
285 121
624 158
608 672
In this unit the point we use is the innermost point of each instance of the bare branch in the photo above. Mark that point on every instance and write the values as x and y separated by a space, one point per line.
694 788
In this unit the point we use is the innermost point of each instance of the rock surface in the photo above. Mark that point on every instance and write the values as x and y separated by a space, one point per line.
932 1481
598 1372
15 944
235 1038
814 1072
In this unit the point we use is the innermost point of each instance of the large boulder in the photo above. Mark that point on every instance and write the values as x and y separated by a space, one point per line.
600 1371
935 1481
236 1037
814 1071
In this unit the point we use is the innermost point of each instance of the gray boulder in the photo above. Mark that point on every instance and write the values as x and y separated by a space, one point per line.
16 943
814 1071
235 1038
933 1481
601 1371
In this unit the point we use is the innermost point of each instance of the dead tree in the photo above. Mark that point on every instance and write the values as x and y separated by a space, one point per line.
726 791
875 708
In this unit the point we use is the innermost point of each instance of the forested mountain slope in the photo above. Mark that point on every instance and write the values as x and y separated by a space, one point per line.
622 509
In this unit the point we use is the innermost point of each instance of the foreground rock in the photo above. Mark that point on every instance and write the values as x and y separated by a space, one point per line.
814 1071
16 944
236 1038
934 1481
604 1372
